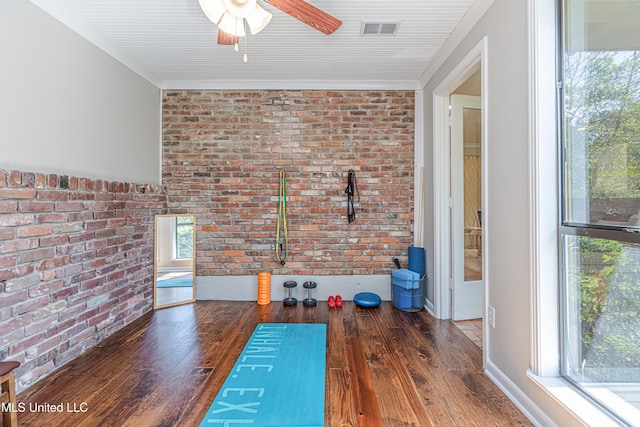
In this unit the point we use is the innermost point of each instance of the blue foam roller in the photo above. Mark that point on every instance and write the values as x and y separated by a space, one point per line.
417 260
367 299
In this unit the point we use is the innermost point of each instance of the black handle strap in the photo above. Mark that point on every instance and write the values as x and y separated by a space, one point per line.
351 191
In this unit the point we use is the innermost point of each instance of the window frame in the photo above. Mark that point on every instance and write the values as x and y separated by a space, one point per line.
619 233
544 230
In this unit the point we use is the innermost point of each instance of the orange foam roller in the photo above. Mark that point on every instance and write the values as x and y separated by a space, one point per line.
264 287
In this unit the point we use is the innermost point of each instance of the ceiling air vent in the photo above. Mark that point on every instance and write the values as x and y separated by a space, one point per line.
379 28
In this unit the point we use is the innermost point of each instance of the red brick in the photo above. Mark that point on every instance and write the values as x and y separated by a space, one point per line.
17 271
36 206
7 234
18 219
34 230
10 336
31 305
9 193
10 206
26 343
316 136
54 240
43 251
36 255
53 195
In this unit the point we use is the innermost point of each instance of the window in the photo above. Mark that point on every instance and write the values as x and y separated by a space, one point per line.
600 221
184 237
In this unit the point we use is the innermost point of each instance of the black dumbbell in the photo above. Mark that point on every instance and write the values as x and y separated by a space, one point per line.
290 300
309 302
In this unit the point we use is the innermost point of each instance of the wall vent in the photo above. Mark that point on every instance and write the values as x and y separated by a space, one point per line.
379 28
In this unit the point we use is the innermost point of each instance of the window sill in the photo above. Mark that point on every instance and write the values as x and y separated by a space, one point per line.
581 408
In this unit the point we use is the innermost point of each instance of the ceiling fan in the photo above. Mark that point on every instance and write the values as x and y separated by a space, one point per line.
233 16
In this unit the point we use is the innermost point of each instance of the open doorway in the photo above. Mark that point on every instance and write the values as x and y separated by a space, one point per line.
460 243
466 179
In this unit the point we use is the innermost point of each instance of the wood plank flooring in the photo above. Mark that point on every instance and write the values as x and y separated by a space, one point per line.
385 367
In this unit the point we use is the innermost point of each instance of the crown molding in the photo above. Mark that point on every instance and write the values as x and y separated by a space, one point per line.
292 84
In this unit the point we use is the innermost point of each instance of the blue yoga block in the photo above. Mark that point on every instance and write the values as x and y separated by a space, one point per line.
367 299
405 279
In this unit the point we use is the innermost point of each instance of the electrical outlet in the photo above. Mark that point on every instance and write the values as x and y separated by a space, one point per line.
491 316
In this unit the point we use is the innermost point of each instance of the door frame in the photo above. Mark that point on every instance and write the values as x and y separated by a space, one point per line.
442 272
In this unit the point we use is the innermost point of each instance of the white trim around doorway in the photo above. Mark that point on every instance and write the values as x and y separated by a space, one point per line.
441 173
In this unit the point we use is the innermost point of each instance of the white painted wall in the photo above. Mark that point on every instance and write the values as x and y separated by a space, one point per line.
508 353
67 107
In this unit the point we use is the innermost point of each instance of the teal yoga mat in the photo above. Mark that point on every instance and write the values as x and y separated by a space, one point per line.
278 379
175 283
417 261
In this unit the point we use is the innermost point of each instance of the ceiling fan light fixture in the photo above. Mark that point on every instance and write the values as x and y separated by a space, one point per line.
230 24
213 9
234 16
259 19
240 8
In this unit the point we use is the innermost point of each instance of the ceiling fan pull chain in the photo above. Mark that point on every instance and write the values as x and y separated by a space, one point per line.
245 59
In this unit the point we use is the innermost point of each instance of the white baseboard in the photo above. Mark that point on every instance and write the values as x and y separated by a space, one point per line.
245 288
528 407
429 307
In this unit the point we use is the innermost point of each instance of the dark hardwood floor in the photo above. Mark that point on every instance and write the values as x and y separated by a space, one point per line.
385 367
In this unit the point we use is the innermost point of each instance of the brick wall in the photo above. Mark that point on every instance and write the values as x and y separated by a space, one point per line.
76 264
222 151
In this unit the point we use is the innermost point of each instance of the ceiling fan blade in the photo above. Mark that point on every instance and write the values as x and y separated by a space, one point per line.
309 14
226 38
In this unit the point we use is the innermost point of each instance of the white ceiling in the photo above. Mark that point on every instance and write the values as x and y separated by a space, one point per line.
172 43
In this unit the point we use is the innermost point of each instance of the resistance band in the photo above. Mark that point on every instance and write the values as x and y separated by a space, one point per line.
282 249
351 190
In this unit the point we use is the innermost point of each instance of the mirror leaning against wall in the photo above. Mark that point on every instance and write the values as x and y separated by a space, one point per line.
174 260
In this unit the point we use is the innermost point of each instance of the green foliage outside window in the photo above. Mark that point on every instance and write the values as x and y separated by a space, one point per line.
184 237
602 108
609 290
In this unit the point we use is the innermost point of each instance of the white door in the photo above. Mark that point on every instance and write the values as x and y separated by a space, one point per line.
466 211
